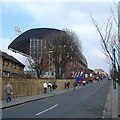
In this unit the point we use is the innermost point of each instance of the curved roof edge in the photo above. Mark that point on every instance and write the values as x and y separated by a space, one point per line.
37 33
21 43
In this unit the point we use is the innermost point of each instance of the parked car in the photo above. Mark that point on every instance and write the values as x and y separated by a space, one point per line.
109 78
97 78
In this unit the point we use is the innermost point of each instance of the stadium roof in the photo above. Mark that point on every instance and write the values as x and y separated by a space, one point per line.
21 44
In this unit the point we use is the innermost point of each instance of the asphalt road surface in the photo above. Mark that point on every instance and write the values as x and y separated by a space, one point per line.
119 101
86 102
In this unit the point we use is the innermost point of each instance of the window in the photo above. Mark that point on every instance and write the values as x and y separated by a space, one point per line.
90 74
6 73
14 66
52 73
7 62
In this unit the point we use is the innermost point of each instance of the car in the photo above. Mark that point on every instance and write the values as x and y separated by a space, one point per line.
109 78
97 78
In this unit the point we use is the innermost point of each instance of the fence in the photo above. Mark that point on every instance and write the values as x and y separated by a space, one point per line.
26 87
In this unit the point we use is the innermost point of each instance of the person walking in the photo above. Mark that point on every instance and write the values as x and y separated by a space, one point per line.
45 87
49 87
74 84
68 84
65 85
54 86
8 90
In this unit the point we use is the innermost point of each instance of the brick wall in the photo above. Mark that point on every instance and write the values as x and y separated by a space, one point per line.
25 87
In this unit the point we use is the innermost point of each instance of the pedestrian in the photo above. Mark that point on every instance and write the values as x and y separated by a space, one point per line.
45 87
65 85
68 84
88 81
54 86
49 87
8 90
74 84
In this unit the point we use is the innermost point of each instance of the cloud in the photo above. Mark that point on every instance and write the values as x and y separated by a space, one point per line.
88 31
96 59
4 43
38 11
75 16
97 53
51 13
58 1
60 15
4 48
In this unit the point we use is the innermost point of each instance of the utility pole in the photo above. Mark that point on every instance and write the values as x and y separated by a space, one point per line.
114 70
49 64
119 41
119 31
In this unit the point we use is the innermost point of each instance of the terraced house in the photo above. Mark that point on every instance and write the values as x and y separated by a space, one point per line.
10 66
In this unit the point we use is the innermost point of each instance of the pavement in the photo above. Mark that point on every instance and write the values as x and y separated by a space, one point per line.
110 110
26 99
119 101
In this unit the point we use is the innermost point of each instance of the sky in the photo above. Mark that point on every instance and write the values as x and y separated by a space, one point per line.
73 15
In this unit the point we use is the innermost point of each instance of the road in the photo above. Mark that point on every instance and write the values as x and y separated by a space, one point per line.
86 102
119 101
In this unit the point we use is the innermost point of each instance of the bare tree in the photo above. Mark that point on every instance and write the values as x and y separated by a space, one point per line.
37 62
109 38
64 46
37 66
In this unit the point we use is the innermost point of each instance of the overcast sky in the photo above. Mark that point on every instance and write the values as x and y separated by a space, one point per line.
72 15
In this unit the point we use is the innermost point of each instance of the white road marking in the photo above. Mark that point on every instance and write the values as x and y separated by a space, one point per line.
47 109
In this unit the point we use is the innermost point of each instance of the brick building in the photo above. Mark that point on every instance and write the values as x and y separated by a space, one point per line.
31 39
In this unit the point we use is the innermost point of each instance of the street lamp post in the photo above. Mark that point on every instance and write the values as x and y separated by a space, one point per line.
49 63
114 70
